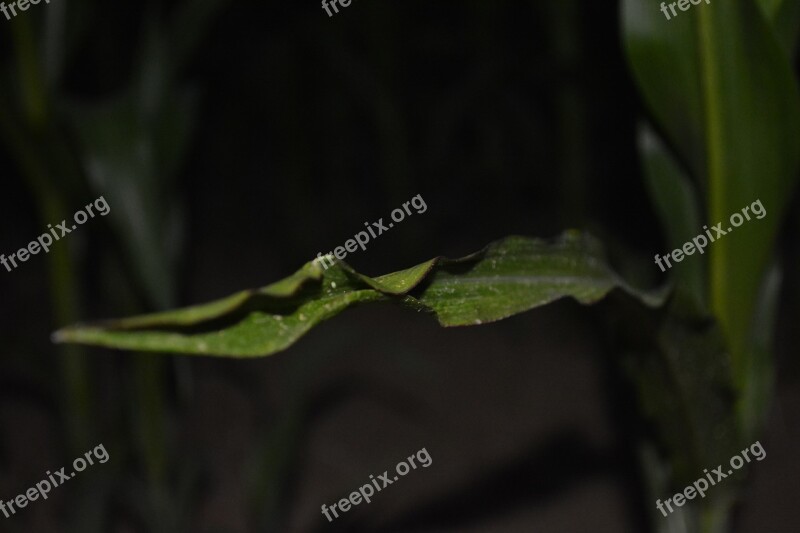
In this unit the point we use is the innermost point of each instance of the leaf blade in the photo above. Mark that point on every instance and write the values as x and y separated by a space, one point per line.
723 91
508 277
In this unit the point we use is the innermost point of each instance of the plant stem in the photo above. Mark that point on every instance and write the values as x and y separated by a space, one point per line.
35 169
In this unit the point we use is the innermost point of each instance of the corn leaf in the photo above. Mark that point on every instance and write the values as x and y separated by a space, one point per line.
506 278
722 91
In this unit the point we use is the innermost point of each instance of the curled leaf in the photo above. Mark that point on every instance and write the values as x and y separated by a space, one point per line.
508 277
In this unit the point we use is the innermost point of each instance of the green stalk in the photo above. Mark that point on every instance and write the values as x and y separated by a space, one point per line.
50 205
61 276
723 306
570 104
716 167
715 515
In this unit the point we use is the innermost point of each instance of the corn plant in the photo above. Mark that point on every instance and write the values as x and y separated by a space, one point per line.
721 132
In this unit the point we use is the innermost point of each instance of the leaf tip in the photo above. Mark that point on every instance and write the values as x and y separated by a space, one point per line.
58 337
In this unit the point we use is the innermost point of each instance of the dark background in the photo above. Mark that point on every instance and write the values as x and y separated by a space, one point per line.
508 118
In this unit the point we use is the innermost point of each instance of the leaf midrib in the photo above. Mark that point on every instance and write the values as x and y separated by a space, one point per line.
716 162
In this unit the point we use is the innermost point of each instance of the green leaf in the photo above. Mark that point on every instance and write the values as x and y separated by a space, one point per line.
761 366
508 277
723 92
784 17
134 143
126 160
676 201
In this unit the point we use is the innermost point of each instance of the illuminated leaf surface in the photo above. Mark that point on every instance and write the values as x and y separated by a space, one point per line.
506 278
